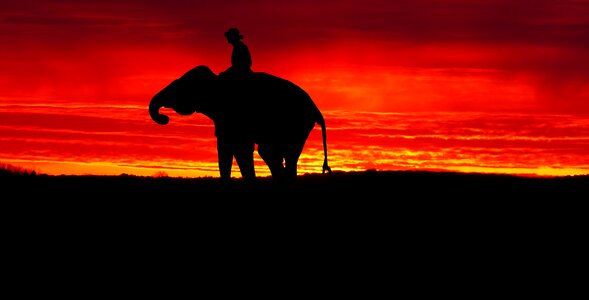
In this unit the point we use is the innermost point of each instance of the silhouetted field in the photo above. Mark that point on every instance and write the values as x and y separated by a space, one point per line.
412 220
367 186
369 203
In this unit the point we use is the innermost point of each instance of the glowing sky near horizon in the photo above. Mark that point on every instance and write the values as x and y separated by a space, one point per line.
459 84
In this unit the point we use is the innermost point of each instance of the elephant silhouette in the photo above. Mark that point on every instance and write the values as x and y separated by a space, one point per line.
261 109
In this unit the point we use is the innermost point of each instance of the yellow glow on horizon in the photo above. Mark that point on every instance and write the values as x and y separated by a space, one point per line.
541 171
210 169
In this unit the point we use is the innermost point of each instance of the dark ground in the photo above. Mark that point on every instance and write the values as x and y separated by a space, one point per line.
362 187
375 227
360 194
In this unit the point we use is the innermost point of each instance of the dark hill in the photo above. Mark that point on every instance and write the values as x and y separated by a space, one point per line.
408 220
383 184
382 187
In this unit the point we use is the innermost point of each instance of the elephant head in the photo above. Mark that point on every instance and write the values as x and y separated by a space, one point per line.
183 94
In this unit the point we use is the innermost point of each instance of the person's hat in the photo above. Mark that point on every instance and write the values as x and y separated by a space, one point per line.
233 32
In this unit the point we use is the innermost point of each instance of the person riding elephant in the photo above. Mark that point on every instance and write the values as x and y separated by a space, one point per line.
241 59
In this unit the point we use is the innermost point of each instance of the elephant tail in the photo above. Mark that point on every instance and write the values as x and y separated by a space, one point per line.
321 122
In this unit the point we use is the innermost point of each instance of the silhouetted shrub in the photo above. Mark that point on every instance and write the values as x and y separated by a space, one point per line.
11 170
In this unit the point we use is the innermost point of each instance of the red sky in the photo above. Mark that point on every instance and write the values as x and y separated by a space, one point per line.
79 71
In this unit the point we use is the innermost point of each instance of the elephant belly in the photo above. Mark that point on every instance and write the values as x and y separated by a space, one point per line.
284 133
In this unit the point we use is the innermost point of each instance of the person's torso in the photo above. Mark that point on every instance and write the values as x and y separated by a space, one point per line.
241 56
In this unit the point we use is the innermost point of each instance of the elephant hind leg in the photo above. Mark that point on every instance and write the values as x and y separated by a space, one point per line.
273 159
290 170
291 160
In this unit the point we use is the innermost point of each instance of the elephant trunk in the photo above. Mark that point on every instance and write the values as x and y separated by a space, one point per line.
154 110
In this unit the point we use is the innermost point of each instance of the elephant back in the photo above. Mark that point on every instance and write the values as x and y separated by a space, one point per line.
283 109
266 108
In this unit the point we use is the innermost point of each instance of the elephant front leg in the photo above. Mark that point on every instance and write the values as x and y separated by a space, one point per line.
225 157
244 155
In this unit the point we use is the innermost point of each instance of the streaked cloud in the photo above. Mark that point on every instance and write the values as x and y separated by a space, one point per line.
523 54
